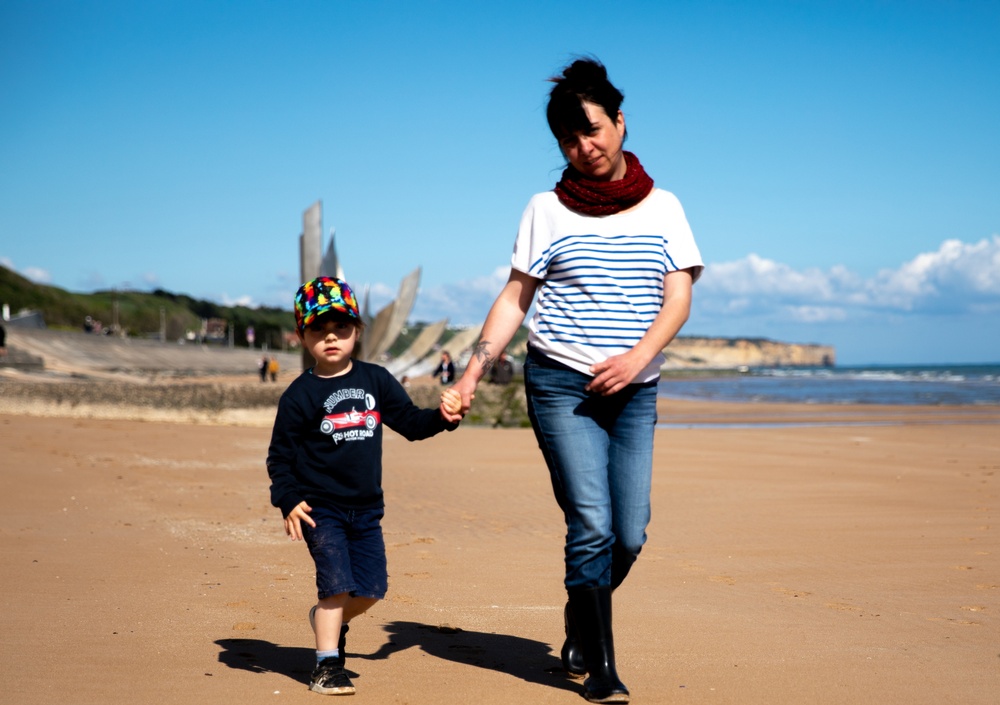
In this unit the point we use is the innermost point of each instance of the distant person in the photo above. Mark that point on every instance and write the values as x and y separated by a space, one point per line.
613 261
503 371
272 368
325 465
3 341
445 371
263 365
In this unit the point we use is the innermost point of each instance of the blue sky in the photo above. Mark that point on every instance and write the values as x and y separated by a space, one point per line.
839 162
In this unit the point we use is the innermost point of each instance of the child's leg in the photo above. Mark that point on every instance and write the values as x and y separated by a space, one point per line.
328 617
356 606
332 612
329 676
349 551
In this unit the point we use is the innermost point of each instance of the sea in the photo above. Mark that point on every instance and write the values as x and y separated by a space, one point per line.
936 385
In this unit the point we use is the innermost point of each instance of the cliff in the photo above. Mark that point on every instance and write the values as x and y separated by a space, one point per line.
692 353
730 353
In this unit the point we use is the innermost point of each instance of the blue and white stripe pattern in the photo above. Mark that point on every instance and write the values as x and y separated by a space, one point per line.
600 291
601 278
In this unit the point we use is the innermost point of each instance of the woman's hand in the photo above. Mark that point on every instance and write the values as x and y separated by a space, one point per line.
293 522
467 389
615 373
503 320
453 405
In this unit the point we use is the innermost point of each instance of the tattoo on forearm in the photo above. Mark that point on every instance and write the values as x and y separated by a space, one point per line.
482 354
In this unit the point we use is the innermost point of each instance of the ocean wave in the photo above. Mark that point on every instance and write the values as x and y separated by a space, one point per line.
943 385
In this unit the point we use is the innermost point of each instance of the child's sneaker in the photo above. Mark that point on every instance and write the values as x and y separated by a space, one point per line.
330 678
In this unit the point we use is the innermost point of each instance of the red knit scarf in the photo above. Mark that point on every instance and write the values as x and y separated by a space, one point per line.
590 197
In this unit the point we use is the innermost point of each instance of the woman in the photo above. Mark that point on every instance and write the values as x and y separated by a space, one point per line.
445 371
613 261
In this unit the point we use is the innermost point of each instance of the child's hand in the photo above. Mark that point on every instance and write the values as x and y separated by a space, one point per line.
451 405
293 522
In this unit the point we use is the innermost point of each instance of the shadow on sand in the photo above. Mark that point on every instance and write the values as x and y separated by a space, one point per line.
530 661
259 656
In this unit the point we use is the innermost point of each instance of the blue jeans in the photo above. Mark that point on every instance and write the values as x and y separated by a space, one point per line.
599 451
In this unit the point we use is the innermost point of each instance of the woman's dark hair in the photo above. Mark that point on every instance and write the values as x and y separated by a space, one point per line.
583 80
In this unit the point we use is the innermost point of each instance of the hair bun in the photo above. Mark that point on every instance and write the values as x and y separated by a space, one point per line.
586 72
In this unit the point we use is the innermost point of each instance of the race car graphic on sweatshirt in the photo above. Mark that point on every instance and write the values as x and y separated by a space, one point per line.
349 419
352 424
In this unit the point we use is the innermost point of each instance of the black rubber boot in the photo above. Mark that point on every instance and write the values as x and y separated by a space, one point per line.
572 656
591 609
621 564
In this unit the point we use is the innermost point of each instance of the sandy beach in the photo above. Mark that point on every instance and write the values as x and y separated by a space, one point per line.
796 555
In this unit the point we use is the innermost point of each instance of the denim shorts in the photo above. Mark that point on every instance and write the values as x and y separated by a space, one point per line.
349 551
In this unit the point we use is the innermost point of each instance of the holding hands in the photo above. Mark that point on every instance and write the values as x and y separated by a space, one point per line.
453 404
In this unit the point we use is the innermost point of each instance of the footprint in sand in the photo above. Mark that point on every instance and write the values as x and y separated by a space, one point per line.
404 599
691 567
962 622
788 592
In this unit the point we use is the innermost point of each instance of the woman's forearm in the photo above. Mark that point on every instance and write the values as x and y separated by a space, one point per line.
672 316
505 317
614 373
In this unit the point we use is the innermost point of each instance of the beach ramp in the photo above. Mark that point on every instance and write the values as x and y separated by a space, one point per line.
72 352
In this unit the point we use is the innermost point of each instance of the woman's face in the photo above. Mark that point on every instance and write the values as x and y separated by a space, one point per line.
597 152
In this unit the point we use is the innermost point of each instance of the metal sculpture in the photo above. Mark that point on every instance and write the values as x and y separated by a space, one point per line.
382 329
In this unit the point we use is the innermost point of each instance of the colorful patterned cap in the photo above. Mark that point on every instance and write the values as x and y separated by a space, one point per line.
323 295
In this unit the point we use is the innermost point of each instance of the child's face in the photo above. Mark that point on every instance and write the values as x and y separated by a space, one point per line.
330 341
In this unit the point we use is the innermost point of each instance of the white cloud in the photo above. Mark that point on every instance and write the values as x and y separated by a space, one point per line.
463 303
756 275
956 277
959 277
815 314
149 280
37 275
245 300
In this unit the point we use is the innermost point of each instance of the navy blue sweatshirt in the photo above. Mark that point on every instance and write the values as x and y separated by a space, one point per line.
326 446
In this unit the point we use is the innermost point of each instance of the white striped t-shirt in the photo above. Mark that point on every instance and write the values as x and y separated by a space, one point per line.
602 277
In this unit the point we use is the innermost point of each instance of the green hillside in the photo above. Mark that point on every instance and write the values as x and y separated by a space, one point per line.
139 313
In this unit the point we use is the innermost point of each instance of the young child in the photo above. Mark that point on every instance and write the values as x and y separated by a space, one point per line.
325 464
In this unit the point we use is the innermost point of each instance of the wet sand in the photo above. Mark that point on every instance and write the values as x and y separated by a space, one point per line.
796 555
